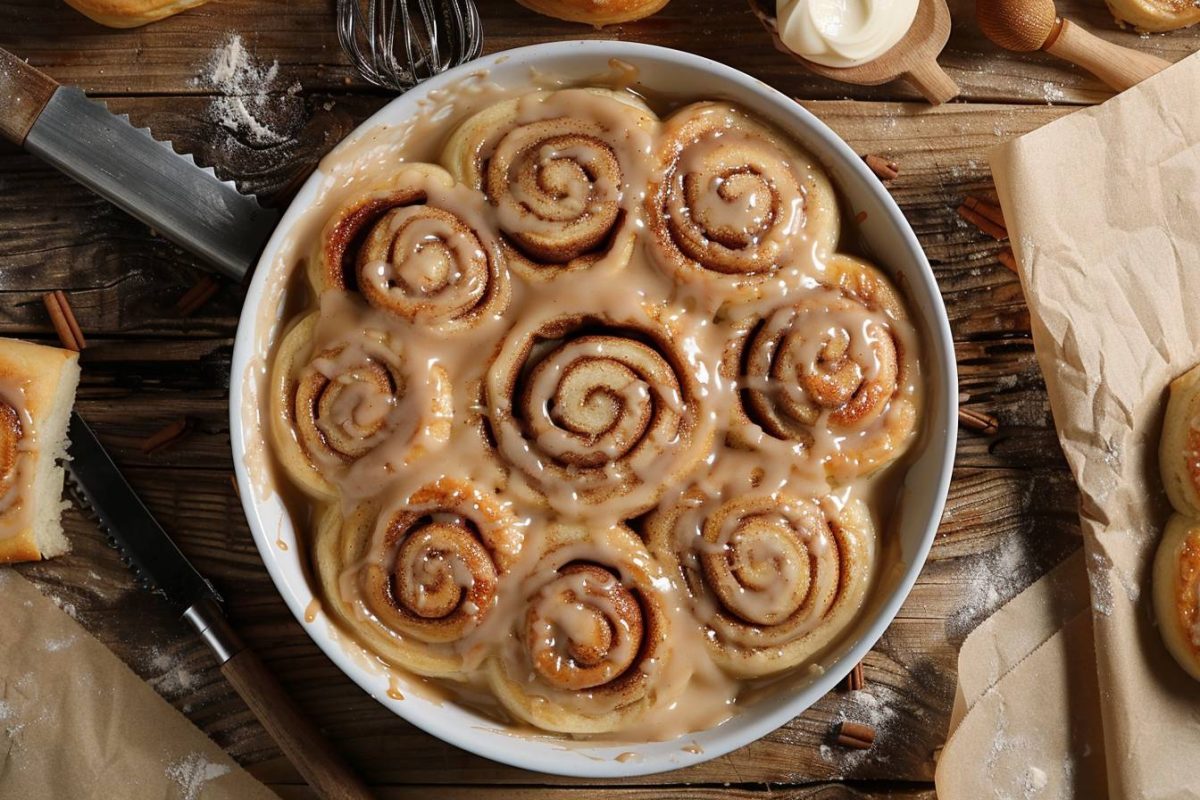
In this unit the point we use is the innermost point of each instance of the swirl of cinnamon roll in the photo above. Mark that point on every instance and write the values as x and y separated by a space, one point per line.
735 205
421 250
832 377
596 414
417 581
1179 450
556 167
1177 591
352 402
774 579
590 652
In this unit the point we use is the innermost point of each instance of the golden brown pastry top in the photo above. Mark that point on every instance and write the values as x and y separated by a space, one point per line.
131 13
1155 16
593 12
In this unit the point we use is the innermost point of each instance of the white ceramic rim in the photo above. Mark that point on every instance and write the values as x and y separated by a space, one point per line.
884 230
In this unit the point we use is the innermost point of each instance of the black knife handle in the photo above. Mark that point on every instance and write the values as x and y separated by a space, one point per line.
24 92
320 765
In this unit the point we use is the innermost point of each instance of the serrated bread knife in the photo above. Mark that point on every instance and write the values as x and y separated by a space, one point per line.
187 204
163 569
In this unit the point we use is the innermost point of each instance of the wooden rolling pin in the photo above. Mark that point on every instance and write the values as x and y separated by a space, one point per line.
1028 25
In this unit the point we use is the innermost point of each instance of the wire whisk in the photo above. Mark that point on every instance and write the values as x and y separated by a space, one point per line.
397 44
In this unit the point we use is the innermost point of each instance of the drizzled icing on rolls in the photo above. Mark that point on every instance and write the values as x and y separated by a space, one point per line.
17 439
591 414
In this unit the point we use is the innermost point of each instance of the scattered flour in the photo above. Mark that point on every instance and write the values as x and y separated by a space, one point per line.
1100 570
6 710
995 577
192 772
66 606
55 645
1052 92
245 90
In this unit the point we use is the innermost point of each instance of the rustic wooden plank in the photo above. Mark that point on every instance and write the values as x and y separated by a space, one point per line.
1002 528
169 57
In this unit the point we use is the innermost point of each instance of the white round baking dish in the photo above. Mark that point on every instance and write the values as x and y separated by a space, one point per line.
887 235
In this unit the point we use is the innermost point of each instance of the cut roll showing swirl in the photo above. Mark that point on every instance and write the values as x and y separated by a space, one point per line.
353 401
596 415
773 579
1177 591
415 582
590 652
737 208
556 167
832 378
421 250
1179 450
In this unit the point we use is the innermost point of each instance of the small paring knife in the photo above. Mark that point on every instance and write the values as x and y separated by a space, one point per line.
161 568
187 204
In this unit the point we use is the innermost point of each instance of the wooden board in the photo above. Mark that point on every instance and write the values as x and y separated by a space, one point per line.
1011 513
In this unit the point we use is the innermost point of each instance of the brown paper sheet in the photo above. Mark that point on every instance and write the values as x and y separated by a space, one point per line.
1103 209
1026 720
76 723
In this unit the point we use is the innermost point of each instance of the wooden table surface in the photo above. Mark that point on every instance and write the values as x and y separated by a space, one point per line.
1012 508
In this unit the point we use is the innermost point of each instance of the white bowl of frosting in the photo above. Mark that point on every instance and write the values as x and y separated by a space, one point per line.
843 33
886 236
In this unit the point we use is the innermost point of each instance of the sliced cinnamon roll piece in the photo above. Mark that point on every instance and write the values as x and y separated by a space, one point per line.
832 378
422 250
415 582
736 207
590 648
558 168
332 408
597 415
774 579
1179 450
1177 591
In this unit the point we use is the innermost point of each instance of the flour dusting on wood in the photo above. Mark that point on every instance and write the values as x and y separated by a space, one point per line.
248 101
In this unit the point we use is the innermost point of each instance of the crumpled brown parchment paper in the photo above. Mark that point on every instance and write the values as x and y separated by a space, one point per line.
76 723
1103 208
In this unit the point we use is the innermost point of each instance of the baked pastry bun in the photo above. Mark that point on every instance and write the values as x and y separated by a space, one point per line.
37 390
131 13
1179 450
1177 591
1155 16
595 12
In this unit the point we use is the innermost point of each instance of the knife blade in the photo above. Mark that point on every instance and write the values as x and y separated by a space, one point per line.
187 204
164 569
122 515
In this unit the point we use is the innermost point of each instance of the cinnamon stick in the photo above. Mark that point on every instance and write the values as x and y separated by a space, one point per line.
855 680
64 322
194 298
997 232
978 421
166 436
1007 258
986 208
854 735
886 170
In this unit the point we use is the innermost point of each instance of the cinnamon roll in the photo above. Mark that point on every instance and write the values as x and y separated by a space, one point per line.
415 582
589 649
37 389
831 378
1179 450
421 250
556 167
332 408
1177 591
774 579
736 206
597 414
